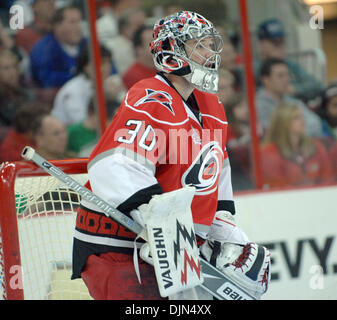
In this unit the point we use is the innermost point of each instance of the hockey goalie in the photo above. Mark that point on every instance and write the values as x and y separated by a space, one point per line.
163 162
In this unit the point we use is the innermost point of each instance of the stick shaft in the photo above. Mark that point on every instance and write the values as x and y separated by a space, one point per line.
29 154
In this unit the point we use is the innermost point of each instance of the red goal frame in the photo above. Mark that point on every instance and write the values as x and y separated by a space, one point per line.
9 172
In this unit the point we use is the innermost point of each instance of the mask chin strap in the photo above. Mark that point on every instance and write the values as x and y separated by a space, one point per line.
203 80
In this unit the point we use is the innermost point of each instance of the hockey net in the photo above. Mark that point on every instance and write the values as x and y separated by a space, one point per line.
37 217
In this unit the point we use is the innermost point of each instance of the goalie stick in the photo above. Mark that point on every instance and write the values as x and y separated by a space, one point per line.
215 282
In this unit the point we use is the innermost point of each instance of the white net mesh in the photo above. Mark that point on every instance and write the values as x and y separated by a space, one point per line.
46 212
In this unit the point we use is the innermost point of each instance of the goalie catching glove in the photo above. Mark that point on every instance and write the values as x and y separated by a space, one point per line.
228 249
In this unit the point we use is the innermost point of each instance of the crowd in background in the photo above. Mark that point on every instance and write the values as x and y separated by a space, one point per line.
47 90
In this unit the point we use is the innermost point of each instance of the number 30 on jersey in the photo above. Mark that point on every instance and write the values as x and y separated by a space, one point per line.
135 127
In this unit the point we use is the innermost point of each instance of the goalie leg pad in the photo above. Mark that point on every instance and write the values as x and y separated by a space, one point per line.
172 242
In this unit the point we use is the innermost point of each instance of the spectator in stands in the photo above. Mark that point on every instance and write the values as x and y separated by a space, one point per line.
289 156
107 21
121 46
84 133
83 136
239 141
226 86
238 119
333 157
43 11
271 44
109 12
51 138
53 58
12 93
328 112
21 133
275 81
72 100
143 66
230 60
7 42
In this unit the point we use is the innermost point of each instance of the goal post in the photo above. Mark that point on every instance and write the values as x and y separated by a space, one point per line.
37 218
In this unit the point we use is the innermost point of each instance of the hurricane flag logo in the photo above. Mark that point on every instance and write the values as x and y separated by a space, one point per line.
160 97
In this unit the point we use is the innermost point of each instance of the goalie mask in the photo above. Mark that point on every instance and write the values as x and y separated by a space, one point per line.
186 44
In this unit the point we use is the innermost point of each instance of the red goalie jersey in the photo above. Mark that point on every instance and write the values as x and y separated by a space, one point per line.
156 143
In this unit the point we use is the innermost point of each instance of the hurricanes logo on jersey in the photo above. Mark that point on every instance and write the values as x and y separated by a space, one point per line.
204 171
161 97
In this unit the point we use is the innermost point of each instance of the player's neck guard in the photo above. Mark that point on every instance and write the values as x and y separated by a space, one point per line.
203 80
